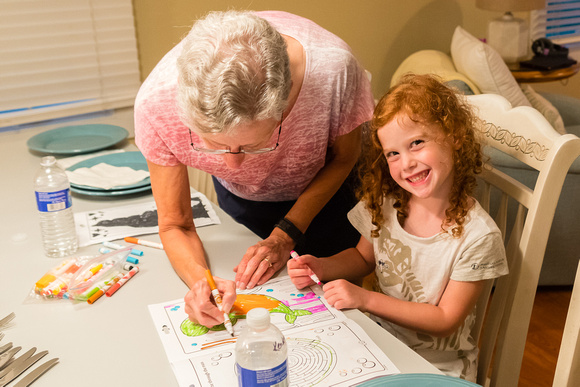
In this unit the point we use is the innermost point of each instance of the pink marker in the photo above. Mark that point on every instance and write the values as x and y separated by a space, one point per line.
313 276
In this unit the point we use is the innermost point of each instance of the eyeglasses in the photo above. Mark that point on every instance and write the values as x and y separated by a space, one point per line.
241 151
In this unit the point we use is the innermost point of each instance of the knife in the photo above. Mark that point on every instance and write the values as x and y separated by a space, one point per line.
5 358
36 373
5 347
19 368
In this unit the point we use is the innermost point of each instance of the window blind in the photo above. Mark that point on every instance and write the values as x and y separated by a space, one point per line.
65 57
559 22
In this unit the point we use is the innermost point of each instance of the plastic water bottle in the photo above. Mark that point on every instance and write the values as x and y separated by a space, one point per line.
54 203
261 352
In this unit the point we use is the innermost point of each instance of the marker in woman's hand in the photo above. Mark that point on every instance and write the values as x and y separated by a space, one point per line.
313 276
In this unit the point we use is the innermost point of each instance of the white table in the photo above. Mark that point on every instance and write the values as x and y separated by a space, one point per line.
112 342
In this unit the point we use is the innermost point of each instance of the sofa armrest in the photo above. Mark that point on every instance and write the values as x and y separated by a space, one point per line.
437 63
568 107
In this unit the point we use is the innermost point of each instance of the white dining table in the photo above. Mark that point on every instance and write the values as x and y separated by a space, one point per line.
112 342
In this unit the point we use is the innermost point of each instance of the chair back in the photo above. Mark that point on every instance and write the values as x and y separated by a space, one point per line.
523 133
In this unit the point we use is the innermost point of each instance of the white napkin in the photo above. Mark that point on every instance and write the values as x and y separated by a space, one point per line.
106 176
70 161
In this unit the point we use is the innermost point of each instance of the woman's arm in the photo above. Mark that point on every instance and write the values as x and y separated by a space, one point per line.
343 155
180 240
182 243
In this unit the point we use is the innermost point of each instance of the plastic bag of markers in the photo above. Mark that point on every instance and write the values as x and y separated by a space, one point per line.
75 277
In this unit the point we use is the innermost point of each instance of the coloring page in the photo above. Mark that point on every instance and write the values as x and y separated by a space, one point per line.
137 219
324 347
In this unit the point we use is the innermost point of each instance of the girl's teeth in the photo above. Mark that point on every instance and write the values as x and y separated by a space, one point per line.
419 177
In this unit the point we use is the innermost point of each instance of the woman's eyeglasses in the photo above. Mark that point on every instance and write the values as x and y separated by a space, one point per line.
241 151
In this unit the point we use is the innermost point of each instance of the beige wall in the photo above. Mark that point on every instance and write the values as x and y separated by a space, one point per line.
382 33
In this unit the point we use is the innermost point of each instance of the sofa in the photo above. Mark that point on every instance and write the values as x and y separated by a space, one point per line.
472 67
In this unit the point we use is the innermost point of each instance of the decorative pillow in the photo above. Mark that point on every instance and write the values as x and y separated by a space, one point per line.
432 62
544 106
485 67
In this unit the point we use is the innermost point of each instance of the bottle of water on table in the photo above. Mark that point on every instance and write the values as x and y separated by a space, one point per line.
54 202
261 352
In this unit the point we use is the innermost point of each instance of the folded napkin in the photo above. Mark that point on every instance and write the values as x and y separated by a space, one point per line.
106 176
70 161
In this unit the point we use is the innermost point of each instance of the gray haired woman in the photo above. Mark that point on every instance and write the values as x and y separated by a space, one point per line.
270 104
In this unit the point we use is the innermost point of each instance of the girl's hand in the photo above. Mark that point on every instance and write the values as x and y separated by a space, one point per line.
342 294
199 304
300 269
262 261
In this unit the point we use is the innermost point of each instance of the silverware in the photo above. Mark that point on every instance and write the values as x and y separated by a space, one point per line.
16 369
36 373
5 347
7 319
6 357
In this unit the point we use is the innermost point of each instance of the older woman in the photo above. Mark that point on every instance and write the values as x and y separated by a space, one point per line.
270 105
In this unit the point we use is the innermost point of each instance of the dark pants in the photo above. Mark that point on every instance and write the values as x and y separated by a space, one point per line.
329 233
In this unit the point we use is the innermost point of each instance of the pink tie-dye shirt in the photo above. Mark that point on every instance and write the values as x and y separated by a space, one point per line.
334 99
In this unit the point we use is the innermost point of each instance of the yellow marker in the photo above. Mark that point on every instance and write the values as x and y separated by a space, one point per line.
218 300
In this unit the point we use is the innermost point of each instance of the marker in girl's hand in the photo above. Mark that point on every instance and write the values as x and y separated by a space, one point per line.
313 276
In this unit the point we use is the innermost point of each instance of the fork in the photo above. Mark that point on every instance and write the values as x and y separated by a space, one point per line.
7 319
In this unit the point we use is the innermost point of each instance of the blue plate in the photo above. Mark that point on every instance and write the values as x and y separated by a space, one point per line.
134 160
119 192
71 140
414 380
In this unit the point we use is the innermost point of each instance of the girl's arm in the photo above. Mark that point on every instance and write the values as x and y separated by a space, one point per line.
350 264
441 320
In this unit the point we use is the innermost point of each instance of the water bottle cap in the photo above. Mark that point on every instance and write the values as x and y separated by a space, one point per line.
258 318
47 161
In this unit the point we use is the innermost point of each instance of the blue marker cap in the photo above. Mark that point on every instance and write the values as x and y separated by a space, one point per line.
132 260
136 252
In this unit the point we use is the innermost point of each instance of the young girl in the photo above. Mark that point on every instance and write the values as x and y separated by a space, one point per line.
429 242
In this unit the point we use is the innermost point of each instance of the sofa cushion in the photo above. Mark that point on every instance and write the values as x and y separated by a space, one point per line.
484 66
438 63
544 106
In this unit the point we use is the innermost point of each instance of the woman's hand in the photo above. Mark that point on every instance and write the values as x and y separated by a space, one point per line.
261 261
199 304
300 269
342 294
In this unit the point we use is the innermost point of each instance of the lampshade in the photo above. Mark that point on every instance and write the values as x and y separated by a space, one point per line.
510 5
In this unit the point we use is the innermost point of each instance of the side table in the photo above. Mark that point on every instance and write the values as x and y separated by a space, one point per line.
528 75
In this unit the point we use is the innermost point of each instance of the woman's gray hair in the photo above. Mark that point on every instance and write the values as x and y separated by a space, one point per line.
234 69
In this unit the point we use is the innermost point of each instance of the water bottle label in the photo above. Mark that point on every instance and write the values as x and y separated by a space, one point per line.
53 201
277 376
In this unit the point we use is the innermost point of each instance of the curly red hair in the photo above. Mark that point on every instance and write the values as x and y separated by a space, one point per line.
424 99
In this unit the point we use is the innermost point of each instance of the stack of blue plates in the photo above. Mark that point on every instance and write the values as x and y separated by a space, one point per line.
133 160
79 139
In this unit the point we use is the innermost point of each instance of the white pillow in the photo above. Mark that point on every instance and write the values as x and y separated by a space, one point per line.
485 67
544 106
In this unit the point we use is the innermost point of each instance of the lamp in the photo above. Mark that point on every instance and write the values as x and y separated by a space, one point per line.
507 34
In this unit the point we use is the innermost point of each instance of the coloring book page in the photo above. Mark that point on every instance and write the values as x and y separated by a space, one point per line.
324 347
136 219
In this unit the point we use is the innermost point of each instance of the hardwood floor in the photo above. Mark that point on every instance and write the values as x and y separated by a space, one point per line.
544 336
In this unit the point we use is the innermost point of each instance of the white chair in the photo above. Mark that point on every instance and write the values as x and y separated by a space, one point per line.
568 365
524 134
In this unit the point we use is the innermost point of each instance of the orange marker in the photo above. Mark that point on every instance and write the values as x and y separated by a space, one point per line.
143 243
218 300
